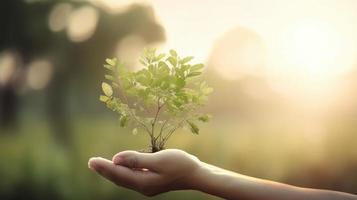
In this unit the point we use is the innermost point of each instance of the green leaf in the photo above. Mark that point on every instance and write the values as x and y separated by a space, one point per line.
111 62
107 89
151 69
109 77
204 118
109 67
180 83
164 70
192 74
163 64
103 98
185 67
123 120
173 53
142 62
159 57
193 127
186 59
196 67
172 60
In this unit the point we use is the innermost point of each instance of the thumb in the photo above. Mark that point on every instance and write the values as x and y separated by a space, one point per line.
134 160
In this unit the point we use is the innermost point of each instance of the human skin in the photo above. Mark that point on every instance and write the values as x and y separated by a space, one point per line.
172 169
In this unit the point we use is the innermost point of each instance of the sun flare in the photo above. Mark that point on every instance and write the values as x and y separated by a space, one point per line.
315 50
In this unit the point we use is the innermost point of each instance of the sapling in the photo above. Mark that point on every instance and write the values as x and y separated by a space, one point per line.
158 99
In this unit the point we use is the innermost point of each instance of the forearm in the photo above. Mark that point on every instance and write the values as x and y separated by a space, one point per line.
230 185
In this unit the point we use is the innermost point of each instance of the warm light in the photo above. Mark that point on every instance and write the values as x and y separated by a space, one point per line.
39 74
305 40
129 50
303 45
314 50
117 6
82 23
238 53
7 67
58 18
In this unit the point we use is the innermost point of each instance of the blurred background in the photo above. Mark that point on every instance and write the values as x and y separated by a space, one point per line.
284 75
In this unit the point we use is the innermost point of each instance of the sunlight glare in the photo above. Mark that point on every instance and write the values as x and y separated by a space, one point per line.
314 50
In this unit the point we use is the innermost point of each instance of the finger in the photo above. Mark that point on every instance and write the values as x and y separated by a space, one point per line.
118 174
133 159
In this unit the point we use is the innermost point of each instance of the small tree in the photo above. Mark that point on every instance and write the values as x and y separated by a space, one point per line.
160 98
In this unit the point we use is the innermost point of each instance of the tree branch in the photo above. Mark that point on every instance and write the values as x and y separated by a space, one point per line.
156 116
161 130
131 112
167 136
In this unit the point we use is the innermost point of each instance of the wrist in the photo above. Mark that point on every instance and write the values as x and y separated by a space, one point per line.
218 182
212 180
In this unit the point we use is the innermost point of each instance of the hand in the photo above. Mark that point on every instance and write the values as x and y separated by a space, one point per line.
155 173
149 173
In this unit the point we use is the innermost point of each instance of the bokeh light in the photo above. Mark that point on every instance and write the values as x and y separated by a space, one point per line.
59 15
129 50
239 53
39 74
7 66
77 30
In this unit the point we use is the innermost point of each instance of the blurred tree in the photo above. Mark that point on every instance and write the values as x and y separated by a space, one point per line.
25 29
239 56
